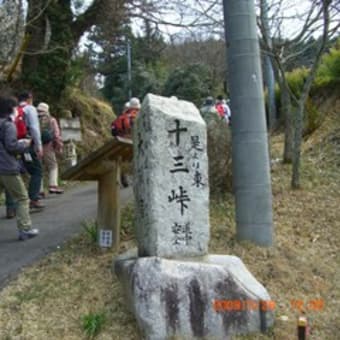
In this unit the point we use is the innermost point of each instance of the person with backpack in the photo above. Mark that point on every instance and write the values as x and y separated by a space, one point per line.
10 178
122 126
52 145
223 109
208 110
27 124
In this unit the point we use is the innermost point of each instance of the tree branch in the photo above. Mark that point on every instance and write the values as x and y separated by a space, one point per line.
89 18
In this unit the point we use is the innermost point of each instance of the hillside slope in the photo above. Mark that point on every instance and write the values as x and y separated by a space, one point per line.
51 299
95 115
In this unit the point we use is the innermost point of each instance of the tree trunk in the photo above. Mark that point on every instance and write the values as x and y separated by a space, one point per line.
286 107
46 64
269 76
298 124
46 61
270 83
54 34
304 95
11 33
35 32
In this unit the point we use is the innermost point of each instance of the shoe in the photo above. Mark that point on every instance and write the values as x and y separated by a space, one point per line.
55 190
27 234
10 213
36 206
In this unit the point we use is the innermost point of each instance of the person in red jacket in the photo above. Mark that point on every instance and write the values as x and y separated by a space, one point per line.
122 126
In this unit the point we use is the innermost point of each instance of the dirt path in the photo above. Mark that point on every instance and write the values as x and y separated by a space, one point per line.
60 221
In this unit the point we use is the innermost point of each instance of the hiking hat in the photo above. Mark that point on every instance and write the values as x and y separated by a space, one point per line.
209 101
126 105
134 103
43 108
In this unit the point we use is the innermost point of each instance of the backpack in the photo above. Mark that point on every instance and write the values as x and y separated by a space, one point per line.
123 124
220 109
46 129
20 123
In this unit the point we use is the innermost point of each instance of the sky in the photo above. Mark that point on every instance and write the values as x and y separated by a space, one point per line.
289 28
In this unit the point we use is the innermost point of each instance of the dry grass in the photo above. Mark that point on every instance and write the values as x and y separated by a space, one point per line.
48 300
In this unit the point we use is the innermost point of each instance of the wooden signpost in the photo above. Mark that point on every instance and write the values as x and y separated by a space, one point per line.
103 165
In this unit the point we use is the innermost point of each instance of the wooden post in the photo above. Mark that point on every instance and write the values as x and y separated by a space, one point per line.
108 214
103 165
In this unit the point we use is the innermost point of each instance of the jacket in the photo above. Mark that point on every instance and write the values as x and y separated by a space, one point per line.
57 143
32 122
122 126
10 147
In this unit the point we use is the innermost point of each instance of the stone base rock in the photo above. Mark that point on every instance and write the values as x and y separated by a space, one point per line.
213 296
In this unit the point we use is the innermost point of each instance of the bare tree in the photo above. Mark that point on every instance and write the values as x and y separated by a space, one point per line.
268 73
301 26
325 10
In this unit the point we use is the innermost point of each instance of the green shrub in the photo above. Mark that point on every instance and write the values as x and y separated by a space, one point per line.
92 323
91 231
190 82
329 70
296 79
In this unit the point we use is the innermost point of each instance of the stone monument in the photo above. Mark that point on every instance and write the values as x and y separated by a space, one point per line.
173 286
171 183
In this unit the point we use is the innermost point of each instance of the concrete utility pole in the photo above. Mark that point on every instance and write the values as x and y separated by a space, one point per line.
251 173
128 55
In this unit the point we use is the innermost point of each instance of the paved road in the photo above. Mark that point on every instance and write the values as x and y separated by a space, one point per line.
60 221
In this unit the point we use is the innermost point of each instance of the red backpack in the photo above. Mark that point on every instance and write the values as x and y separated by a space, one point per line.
220 109
20 123
123 124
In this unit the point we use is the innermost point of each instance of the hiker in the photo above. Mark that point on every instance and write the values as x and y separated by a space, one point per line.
27 123
10 178
9 201
208 110
52 146
122 127
223 109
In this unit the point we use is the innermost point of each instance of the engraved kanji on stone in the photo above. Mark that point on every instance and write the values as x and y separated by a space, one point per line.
182 233
179 165
177 131
198 179
180 198
196 143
